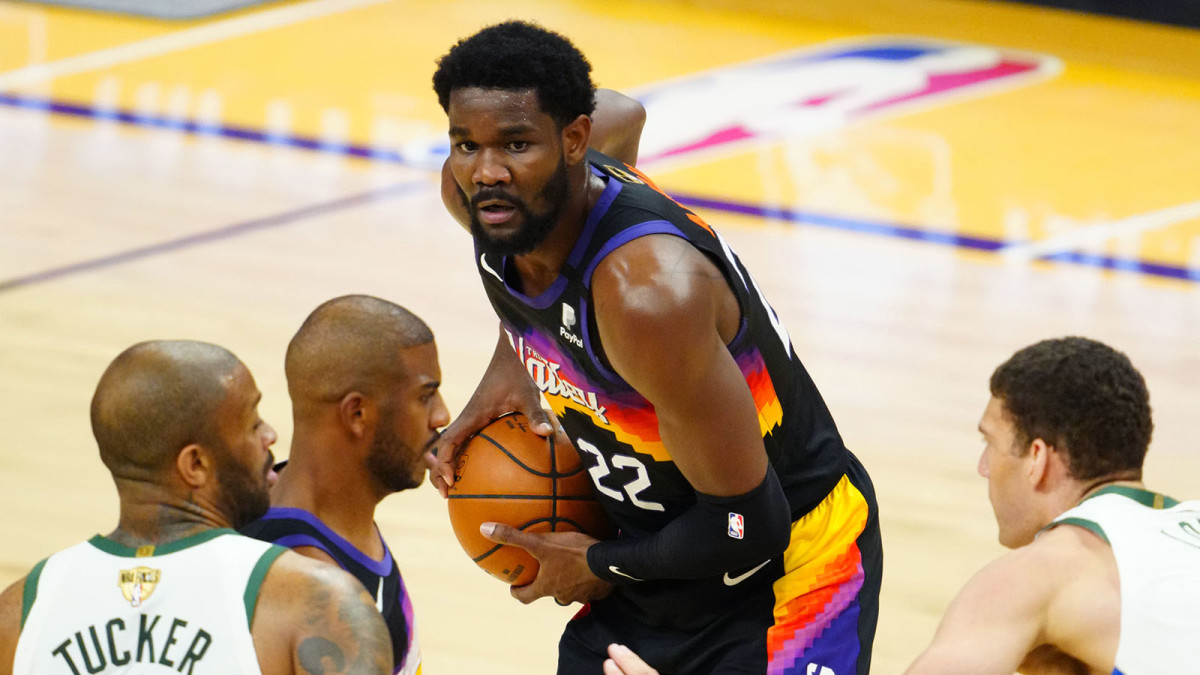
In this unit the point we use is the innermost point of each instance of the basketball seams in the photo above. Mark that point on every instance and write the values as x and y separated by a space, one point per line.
518 462
523 494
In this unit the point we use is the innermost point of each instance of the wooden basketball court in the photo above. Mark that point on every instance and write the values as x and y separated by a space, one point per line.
918 192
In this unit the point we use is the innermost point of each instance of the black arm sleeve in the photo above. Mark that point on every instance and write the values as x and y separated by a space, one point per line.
704 540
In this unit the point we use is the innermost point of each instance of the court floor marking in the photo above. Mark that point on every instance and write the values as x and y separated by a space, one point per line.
1082 237
894 230
900 231
218 234
187 38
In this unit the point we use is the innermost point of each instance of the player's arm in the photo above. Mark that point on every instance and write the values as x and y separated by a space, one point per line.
505 387
617 125
313 618
10 624
995 621
616 131
664 313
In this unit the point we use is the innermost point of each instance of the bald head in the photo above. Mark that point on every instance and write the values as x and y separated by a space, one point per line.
350 344
156 398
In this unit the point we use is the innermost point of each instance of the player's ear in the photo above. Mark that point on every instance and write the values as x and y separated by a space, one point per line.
575 137
195 465
1040 458
356 414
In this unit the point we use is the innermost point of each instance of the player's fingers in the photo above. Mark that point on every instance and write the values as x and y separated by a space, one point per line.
627 662
504 534
450 441
527 593
540 422
611 668
440 484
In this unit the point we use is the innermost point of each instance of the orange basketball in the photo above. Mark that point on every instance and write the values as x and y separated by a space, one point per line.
508 474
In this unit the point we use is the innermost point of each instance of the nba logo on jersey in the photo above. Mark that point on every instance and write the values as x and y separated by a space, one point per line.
737 525
138 584
818 90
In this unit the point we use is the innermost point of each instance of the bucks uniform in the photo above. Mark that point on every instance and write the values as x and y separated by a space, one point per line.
1156 542
297 527
817 604
187 607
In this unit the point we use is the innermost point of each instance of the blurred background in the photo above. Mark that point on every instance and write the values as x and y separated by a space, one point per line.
919 187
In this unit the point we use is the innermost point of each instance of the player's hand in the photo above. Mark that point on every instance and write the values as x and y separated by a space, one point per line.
563 572
505 388
622 661
475 417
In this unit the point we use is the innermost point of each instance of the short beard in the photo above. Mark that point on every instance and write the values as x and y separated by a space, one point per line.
244 497
535 226
390 461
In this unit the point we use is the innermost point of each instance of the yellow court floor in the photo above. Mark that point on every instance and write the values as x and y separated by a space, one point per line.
919 188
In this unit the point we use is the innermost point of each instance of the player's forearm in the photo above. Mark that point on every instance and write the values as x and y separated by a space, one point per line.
506 368
701 542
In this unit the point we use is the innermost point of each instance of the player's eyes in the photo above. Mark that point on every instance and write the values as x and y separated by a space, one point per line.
466 146
518 146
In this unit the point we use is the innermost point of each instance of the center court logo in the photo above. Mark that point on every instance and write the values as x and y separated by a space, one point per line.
816 90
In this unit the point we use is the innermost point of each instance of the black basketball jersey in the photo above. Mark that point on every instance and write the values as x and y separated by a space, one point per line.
296 527
614 428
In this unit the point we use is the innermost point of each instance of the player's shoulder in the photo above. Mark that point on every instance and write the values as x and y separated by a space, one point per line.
10 623
1040 566
11 601
653 277
292 575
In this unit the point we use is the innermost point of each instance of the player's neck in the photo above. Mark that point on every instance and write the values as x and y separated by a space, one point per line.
338 493
149 516
539 268
1092 487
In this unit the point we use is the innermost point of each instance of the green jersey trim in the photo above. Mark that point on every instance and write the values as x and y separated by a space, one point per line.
1144 497
1084 523
113 548
254 584
29 593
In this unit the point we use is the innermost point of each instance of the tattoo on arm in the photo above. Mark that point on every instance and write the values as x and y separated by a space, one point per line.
351 637
312 654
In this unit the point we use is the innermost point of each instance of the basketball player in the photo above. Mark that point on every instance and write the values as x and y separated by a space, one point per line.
363 377
177 425
749 537
1105 577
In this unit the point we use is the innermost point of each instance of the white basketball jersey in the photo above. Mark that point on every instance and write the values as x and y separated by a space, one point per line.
184 607
1156 542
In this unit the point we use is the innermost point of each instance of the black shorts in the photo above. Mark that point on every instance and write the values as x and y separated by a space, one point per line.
816 616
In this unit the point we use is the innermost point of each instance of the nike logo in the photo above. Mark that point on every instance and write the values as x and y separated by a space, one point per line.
734 581
617 570
483 262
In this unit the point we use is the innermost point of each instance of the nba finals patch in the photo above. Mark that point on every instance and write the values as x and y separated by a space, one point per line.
138 584
812 91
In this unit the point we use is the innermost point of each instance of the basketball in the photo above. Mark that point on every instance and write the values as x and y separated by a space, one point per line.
508 474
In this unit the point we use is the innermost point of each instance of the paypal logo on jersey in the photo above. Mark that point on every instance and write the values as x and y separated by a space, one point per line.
817 90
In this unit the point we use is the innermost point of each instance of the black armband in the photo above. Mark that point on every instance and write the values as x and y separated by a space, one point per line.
716 535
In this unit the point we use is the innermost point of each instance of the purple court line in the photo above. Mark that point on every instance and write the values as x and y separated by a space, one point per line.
192 127
929 236
227 232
